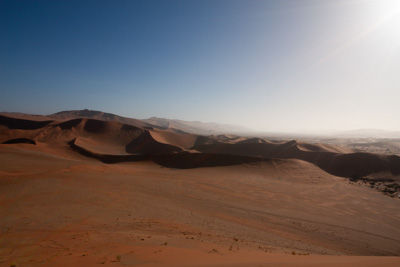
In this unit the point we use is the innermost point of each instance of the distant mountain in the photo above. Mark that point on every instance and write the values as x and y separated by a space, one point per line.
179 126
98 115
197 127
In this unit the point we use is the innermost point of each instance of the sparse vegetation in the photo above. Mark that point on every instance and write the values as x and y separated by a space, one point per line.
384 185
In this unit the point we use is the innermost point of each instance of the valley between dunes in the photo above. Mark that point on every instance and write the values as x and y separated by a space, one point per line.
85 192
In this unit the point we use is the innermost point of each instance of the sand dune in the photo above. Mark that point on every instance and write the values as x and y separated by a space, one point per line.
187 200
97 115
147 145
161 154
186 141
98 146
323 148
112 137
176 126
69 212
324 156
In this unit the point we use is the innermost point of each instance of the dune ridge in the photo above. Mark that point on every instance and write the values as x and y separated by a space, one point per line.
112 138
340 164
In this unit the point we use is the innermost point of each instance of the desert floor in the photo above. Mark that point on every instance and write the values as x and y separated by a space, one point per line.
59 208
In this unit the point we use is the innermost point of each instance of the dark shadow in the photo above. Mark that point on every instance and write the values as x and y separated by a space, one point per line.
69 124
20 141
21 124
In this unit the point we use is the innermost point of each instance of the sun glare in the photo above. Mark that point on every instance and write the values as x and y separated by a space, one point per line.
388 11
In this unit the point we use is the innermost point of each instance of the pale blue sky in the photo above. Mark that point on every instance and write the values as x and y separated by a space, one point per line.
269 65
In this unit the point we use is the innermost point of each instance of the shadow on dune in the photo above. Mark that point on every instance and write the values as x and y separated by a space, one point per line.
69 124
13 123
339 164
20 141
145 144
96 126
182 160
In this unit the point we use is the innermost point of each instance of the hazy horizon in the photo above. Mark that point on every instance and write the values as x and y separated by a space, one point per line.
279 66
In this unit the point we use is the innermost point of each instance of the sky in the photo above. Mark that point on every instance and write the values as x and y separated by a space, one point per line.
282 66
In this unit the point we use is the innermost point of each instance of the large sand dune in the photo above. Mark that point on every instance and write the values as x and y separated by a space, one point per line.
332 159
187 200
113 141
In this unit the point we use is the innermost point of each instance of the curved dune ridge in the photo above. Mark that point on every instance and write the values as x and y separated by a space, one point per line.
184 141
112 138
322 148
146 144
97 146
340 164
183 160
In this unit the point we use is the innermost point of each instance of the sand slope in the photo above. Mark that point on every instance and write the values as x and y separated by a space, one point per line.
63 212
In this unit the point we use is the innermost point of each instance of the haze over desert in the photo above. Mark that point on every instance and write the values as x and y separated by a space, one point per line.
199 133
